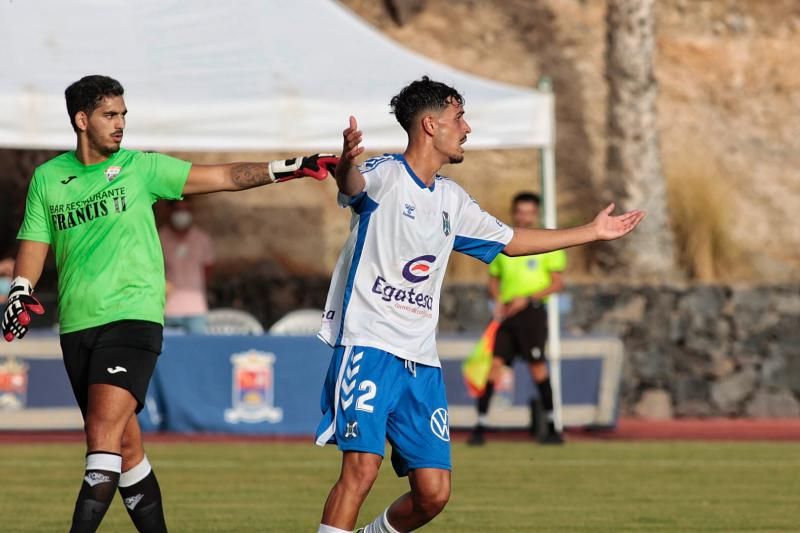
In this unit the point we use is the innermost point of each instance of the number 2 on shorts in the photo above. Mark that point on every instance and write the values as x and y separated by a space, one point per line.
371 390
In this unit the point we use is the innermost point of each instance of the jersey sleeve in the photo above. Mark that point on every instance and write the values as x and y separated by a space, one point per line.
478 233
165 175
557 261
376 172
36 223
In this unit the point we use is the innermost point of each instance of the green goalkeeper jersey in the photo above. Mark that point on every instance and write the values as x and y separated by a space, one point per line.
99 221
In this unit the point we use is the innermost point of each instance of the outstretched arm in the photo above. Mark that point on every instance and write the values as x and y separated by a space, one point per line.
604 227
241 176
348 177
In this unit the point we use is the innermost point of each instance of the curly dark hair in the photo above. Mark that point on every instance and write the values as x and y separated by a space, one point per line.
86 93
422 95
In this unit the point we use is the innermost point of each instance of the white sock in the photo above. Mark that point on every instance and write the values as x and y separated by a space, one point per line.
110 462
330 529
135 474
380 525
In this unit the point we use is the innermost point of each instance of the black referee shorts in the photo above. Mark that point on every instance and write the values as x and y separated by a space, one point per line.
121 353
523 335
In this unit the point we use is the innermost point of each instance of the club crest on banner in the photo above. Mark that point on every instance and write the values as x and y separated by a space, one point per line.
13 384
253 389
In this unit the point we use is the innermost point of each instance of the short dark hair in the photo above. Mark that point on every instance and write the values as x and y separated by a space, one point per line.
526 196
87 93
422 95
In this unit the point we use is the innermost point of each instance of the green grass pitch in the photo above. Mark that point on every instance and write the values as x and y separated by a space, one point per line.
511 486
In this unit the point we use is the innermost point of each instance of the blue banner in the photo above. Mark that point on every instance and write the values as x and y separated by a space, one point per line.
242 385
271 385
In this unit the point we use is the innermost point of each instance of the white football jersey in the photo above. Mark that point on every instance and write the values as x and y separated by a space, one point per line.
385 289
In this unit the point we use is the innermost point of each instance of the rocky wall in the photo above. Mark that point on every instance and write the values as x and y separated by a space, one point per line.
690 350
707 350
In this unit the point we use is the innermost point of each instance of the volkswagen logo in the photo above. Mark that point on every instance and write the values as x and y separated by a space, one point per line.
440 425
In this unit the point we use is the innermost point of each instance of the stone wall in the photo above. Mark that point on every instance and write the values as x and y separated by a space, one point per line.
706 350
690 350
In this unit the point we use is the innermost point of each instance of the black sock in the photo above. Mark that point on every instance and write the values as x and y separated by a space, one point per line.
546 393
142 498
486 397
483 405
97 491
536 407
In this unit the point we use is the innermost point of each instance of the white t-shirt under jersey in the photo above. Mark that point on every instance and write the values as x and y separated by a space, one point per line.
385 289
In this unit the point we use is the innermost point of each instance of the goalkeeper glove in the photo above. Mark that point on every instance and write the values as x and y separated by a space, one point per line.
317 166
19 306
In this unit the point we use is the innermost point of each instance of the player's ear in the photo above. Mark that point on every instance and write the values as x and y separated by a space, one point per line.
82 120
428 124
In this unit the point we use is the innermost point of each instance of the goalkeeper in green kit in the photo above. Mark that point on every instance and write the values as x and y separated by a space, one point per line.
93 206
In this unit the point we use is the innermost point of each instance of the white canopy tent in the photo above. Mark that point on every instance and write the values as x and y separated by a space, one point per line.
237 75
205 75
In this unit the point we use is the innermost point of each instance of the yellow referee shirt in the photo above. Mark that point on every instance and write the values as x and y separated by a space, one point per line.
526 275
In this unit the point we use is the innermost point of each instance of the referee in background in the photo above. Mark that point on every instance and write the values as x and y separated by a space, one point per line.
520 287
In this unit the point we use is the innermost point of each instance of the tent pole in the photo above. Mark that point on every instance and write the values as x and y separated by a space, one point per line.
547 171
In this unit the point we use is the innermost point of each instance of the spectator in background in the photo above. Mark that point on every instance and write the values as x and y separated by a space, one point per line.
188 258
6 275
520 287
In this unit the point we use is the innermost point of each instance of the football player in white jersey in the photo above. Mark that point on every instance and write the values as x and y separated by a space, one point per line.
385 380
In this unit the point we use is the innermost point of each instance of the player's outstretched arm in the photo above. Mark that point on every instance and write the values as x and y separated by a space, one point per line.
240 176
605 227
348 177
21 302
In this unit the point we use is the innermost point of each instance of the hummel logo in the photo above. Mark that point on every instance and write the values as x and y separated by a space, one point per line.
349 381
67 180
95 478
132 501
116 369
